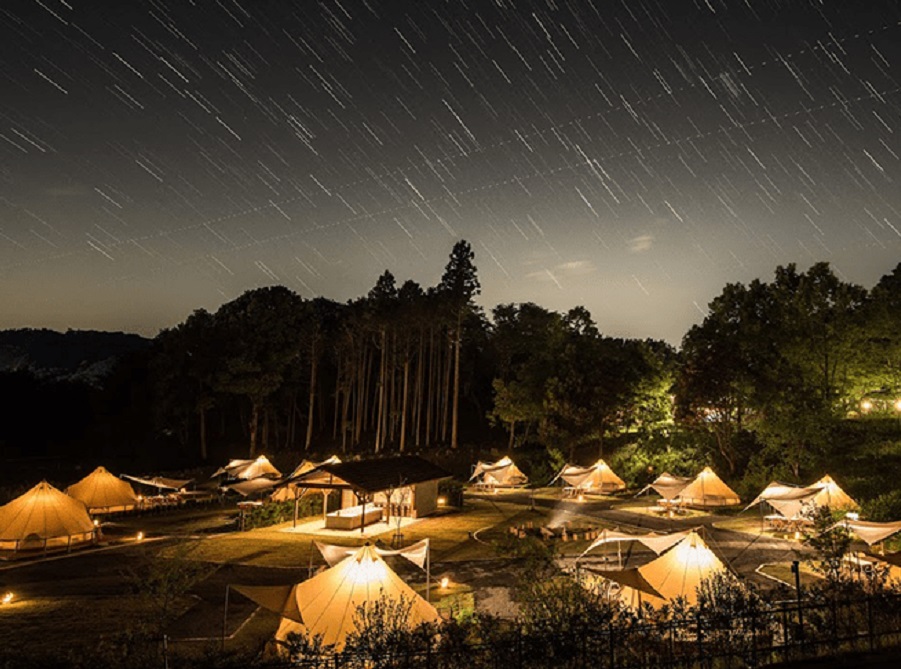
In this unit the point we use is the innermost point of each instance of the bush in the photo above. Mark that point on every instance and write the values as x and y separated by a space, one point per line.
273 513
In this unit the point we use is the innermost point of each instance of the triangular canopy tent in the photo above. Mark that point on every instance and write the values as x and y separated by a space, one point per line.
676 573
248 469
160 482
869 531
790 501
44 517
290 490
501 474
252 486
666 485
598 477
707 490
327 603
656 542
831 495
101 492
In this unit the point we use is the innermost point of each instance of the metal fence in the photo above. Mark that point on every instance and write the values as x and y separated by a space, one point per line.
781 632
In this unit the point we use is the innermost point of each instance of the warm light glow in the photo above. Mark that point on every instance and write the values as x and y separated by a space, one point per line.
445 582
140 536
581 498
96 523
442 501
7 598
852 515
797 536
368 570
866 405
897 404
693 554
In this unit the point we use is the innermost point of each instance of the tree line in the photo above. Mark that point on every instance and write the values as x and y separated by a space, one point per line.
778 378
765 380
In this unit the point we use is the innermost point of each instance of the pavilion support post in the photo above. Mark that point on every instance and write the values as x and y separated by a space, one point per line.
363 516
325 492
428 573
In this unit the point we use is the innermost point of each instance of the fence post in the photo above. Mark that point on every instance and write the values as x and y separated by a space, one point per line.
870 631
612 647
700 641
754 637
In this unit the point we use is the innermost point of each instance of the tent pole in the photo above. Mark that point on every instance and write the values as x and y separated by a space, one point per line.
296 504
428 573
225 617
363 516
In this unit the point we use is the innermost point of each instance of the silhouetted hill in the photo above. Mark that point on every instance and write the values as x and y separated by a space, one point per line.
85 354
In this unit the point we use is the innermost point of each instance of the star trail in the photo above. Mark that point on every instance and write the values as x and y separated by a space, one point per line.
631 157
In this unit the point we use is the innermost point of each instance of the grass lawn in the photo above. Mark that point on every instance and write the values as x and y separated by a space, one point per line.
781 571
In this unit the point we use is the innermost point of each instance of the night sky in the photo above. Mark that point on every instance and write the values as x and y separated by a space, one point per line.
632 157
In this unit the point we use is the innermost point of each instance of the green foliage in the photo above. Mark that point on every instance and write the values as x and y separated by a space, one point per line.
786 361
883 508
273 513
667 450
383 633
308 650
829 539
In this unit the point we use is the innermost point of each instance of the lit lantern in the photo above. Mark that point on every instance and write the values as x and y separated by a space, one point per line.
7 598
866 406
140 536
442 501
445 582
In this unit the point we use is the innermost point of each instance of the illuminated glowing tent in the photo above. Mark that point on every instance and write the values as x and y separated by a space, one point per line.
248 469
656 542
289 491
598 477
327 603
791 501
676 573
501 474
44 517
101 492
707 490
666 485
830 494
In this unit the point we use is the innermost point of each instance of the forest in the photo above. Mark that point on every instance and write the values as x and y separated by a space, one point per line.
782 379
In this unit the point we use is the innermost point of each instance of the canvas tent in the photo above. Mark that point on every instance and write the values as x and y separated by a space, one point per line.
327 603
596 478
501 474
676 573
791 501
870 532
160 482
666 485
656 542
248 469
44 517
291 491
830 494
101 492
707 490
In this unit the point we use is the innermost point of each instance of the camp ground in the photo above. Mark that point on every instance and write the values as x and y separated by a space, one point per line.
353 531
